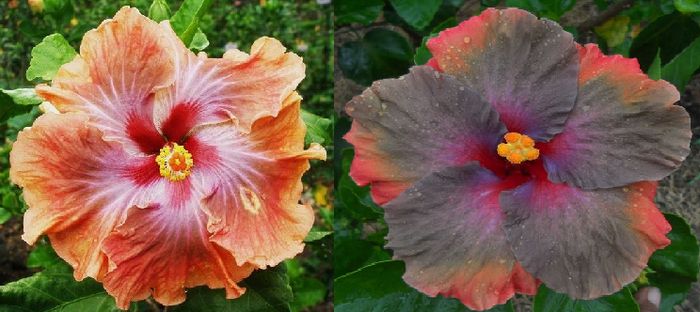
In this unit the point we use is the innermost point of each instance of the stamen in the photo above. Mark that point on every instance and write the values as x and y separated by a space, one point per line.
174 162
518 148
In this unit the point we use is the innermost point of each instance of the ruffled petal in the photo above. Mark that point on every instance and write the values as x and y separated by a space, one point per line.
255 184
77 187
525 67
238 87
447 228
623 129
165 248
406 128
586 244
120 65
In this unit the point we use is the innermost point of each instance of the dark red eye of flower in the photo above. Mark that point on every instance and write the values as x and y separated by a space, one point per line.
518 156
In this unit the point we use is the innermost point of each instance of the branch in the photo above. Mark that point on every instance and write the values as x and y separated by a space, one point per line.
603 17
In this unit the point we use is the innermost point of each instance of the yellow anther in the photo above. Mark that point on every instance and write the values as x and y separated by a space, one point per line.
512 137
518 148
174 162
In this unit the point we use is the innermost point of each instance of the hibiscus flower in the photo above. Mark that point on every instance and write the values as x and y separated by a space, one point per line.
518 156
154 169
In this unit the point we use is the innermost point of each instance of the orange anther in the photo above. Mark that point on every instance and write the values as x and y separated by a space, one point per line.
512 137
518 148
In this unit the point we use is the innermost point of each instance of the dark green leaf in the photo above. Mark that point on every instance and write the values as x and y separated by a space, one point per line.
552 9
48 56
381 53
669 33
159 10
43 256
318 129
676 266
417 13
547 300
307 292
55 290
266 290
4 215
23 96
681 68
687 6
379 287
654 71
357 11
315 235
185 21
356 199
199 41
422 54
8 108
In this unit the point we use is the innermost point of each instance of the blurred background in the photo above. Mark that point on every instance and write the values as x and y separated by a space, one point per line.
377 39
303 26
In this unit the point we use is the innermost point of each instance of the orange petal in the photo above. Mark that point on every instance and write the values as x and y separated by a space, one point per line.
163 249
253 209
76 185
120 65
239 87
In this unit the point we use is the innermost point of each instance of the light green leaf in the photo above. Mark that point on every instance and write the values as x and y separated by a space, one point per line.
48 56
307 293
417 13
185 21
159 10
199 41
23 96
266 290
687 6
681 68
4 215
547 300
318 129
654 71
315 235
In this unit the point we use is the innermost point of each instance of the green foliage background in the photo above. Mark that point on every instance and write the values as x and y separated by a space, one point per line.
303 26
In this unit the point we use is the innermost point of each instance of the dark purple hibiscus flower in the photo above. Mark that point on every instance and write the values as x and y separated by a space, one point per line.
518 156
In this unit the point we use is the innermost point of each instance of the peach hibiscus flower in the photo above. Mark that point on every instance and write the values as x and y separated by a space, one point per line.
155 169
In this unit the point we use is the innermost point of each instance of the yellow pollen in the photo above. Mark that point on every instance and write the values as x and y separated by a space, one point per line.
518 148
174 162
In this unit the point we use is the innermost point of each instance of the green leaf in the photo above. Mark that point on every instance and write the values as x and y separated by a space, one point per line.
676 266
687 6
185 21
379 287
422 54
43 256
159 10
356 199
381 53
4 215
55 290
357 11
417 13
307 293
23 96
681 68
547 300
654 71
266 290
318 129
552 9
8 108
199 41
315 235
669 33
48 56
